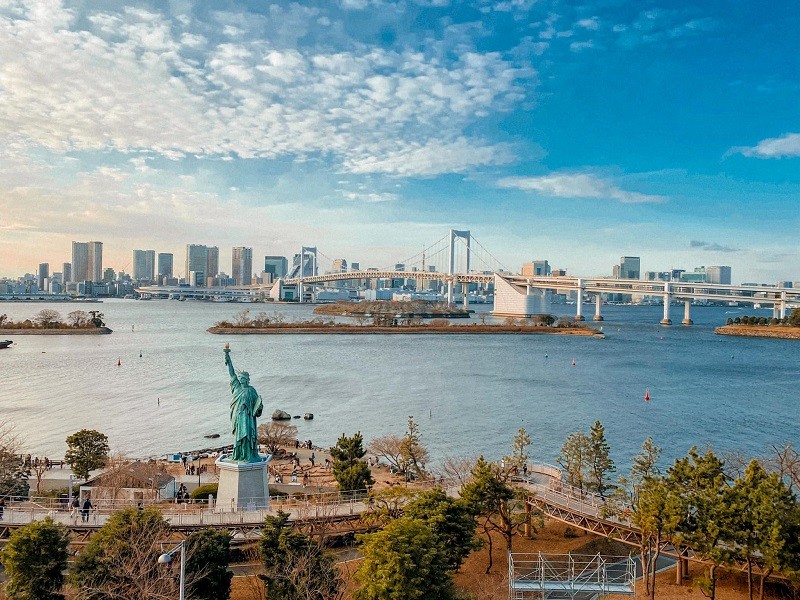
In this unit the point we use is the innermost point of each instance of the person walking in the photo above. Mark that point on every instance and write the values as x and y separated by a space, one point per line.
87 506
2 507
74 507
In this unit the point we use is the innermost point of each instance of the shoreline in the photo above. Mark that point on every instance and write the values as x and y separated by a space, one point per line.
761 331
93 331
448 330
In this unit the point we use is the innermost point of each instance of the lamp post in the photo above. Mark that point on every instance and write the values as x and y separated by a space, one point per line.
166 559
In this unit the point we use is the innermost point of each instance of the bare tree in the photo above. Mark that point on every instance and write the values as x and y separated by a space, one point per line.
242 318
457 469
785 460
13 471
275 434
48 318
390 448
78 318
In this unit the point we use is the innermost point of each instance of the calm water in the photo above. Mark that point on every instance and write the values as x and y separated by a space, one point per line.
469 393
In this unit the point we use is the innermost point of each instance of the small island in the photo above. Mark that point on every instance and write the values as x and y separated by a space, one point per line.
787 328
50 322
383 323
422 309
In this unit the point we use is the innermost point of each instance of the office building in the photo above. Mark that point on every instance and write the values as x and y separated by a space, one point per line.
699 275
339 266
355 266
277 266
44 275
629 267
197 263
80 261
165 260
536 268
144 265
95 261
212 266
66 273
242 265
109 276
718 274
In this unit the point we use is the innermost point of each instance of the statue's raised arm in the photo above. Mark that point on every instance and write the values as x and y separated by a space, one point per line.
229 362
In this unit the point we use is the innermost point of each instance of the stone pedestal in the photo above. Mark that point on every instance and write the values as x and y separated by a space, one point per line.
242 486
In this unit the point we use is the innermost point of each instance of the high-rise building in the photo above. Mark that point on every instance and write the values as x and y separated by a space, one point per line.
109 276
44 273
629 267
66 273
80 261
354 266
277 266
197 263
165 260
96 261
339 266
718 274
144 265
242 265
212 267
536 268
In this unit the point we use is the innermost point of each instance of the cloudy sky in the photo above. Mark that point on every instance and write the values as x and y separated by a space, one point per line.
575 132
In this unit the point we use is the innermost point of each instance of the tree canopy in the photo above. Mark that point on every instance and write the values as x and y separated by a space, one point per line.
35 560
349 468
403 561
294 565
87 450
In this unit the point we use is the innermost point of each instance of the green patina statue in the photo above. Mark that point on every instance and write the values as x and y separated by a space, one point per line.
246 405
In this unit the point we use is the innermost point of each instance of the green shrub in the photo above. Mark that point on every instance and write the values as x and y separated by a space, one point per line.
203 491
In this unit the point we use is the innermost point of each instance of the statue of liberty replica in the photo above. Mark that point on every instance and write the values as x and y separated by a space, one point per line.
243 474
246 405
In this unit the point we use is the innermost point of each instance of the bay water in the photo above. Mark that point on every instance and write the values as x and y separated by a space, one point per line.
469 393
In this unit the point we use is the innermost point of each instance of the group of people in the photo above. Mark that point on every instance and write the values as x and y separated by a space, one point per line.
306 445
76 506
182 495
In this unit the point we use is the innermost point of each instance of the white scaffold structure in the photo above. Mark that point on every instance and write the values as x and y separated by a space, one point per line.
569 576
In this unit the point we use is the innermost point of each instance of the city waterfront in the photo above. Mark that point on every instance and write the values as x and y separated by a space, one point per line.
469 393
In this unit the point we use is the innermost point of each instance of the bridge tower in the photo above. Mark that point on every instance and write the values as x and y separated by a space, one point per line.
454 235
310 253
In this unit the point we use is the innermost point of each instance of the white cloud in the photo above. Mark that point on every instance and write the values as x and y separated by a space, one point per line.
787 145
577 185
137 82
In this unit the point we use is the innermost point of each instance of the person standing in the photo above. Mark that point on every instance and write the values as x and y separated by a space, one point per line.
312 458
87 506
2 507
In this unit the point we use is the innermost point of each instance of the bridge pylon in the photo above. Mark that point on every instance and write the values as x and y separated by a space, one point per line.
451 255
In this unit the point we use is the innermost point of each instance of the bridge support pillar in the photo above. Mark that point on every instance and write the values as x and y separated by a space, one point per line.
579 302
598 301
776 310
464 291
450 292
667 299
687 318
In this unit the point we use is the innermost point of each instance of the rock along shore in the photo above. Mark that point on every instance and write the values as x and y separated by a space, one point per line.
765 331
368 329
9 332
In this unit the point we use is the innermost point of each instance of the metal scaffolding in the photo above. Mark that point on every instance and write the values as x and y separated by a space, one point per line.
577 577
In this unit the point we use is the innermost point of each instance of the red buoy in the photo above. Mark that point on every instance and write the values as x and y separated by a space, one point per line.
119 362
647 395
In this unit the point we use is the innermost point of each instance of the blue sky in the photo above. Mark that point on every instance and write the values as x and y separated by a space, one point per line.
575 132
